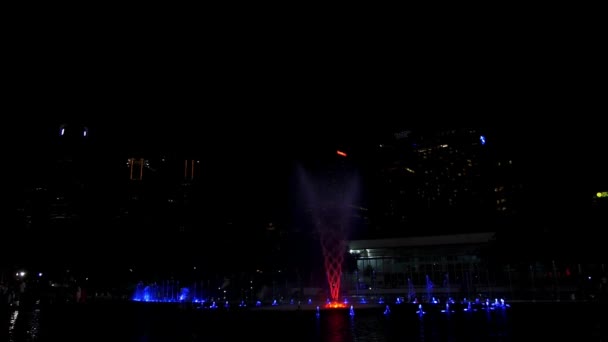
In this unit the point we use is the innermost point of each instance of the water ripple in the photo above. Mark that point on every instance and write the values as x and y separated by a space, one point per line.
12 323
34 325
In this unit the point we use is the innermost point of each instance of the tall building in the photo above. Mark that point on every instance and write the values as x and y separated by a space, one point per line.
191 169
136 168
63 175
59 200
438 181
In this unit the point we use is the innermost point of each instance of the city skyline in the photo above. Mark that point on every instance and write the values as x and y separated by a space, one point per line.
248 177
568 154
234 175
246 191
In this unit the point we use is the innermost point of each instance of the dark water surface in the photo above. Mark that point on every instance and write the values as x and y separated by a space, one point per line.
166 322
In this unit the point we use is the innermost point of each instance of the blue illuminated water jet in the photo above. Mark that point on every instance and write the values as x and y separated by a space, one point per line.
411 293
429 287
420 311
387 310
447 308
165 292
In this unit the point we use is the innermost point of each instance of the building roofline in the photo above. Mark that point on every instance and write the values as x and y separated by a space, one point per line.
419 241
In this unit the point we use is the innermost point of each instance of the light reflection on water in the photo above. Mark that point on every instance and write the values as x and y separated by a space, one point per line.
150 322
336 326
12 324
366 330
23 325
34 325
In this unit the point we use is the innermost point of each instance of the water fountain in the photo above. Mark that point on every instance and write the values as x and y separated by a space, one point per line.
447 308
446 283
333 244
411 293
170 291
387 310
420 310
330 201
160 293
184 294
469 307
429 287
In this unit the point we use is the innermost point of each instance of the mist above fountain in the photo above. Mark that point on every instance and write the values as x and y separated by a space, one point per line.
330 198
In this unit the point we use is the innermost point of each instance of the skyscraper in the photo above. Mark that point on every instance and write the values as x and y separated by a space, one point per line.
437 181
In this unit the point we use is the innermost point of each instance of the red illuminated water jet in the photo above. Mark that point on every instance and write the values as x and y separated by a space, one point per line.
333 245
331 198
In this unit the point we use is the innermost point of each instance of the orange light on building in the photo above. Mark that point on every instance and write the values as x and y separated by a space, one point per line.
340 153
189 168
136 168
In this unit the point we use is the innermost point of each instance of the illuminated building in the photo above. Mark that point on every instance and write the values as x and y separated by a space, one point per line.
71 174
438 181
440 266
190 169
136 168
